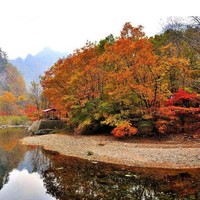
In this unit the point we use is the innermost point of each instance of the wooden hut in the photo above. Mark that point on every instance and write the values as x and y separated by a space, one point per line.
51 114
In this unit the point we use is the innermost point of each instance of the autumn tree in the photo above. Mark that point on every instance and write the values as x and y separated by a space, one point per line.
8 104
12 88
35 93
15 81
110 83
180 114
109 40
184 31
184 35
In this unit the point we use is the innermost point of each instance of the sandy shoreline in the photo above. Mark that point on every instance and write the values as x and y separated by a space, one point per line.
108 149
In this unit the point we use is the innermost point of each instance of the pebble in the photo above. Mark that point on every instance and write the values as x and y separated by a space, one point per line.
132 154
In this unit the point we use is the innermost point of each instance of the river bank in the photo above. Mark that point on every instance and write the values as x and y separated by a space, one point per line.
110 150
13 126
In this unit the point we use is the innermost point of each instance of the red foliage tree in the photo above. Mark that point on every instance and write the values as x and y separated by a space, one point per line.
181 113
181 98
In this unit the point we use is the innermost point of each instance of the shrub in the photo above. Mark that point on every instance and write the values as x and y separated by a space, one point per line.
183 99
124 130
181 114
145 127
162 126
13 120
172 119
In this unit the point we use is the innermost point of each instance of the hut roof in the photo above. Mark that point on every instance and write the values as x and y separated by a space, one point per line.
50 109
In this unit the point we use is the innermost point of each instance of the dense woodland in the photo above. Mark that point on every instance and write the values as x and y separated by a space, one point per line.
12 88
127 85
131 83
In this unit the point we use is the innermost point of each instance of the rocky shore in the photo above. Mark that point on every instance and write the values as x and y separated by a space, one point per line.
110 150
13 126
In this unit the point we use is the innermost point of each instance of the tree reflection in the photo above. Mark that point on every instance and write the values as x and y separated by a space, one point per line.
71 178
10 152
35 161
15 156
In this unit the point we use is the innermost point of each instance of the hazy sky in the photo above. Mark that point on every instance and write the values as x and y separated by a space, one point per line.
27 26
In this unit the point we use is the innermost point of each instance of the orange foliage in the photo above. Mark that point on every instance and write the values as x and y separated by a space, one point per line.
161 125
31 112
126 78
127 67
176 118
8 104
124 130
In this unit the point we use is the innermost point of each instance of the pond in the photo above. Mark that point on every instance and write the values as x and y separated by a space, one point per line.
30 173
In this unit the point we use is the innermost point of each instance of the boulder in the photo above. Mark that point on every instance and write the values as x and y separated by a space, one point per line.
45 125
42 131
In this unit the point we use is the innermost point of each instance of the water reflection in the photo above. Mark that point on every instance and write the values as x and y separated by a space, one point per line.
23 185
32 173
34 161
10 153
21 168
78 179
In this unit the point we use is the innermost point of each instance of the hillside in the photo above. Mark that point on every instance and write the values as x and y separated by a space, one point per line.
10 78
33 66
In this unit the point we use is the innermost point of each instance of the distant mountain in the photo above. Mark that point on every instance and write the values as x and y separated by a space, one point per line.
34 66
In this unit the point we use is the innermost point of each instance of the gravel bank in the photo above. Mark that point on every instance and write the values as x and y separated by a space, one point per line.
108 149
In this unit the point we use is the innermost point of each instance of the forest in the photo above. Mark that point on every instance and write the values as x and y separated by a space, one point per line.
129 84
12 91
16 103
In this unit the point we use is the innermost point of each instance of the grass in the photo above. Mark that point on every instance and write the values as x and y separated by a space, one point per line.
14 120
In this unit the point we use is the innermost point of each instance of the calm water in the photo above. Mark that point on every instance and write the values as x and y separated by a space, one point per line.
34 174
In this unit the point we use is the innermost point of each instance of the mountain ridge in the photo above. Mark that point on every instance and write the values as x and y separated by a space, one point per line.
33 66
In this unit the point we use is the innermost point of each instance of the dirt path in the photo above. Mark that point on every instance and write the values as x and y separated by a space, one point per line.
110 150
